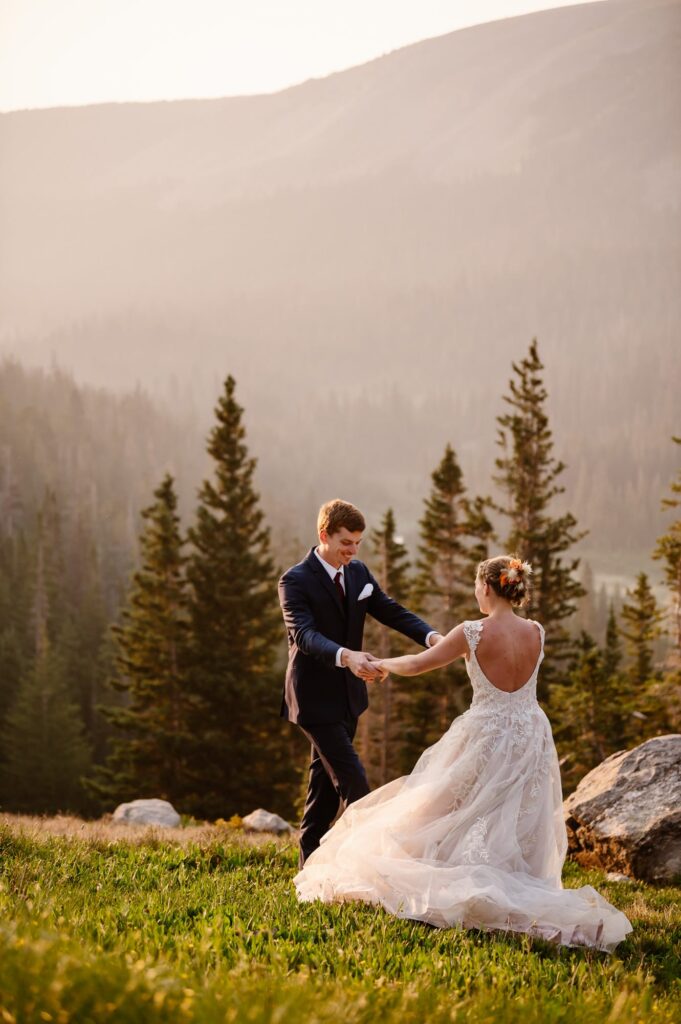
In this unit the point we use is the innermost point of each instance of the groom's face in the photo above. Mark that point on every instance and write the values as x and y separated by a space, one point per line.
341 547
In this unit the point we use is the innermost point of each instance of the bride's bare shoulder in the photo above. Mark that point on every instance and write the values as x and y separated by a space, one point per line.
514 629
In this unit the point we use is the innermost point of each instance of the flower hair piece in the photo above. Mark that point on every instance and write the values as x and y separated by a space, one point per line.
514 576
508 577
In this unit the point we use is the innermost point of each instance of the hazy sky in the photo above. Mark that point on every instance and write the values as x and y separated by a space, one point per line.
66 52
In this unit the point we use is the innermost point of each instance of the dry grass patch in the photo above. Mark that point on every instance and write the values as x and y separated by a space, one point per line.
106 830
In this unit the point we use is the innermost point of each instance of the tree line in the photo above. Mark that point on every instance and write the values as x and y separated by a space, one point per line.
180 696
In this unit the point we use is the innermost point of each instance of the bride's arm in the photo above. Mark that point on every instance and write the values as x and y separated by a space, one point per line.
450 648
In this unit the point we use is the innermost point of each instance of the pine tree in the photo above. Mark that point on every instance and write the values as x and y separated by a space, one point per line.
44 750
379 726
600 709
16 653
649 704
481 536
582 713
84 625
48 569
442 586
584 620
603 607
626 701
527 473
46 754
612 654
641 617
668 550
455 534
240 758
149 758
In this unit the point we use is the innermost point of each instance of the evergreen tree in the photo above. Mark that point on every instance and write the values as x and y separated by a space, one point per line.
626 701
44 750
646 708
241 757
46 754
612 655
380 726
84 625
587 713
603 709
668 550
442 586
47 571
455 534
149 758
641 617
584 619
603 608
481 536
16 653
528 474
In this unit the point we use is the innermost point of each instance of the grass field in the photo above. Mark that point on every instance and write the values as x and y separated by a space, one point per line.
202 925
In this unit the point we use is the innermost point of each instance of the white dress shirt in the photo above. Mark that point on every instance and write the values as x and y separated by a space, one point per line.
333 571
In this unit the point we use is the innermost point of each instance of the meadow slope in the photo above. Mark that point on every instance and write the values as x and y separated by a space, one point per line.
99 925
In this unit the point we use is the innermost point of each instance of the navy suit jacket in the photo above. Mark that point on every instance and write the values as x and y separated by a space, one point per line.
318 623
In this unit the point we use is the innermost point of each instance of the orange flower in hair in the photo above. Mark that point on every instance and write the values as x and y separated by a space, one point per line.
515 574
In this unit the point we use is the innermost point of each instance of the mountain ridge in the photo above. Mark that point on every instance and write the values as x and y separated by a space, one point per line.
403 228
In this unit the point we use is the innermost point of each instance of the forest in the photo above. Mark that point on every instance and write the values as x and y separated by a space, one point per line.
142 648
401 229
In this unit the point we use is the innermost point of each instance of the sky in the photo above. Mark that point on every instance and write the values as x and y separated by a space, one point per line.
76 52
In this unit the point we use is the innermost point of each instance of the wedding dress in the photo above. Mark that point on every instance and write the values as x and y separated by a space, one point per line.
475 835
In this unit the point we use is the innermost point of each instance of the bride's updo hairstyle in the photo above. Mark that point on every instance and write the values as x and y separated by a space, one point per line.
509 578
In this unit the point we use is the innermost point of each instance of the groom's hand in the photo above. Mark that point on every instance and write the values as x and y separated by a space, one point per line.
359 664
377 666
434 638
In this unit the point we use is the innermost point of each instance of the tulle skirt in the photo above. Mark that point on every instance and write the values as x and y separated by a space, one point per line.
473 837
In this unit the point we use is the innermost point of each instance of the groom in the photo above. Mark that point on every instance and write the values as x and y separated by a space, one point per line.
325 600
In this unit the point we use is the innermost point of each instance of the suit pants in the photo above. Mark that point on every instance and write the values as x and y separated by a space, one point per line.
336 777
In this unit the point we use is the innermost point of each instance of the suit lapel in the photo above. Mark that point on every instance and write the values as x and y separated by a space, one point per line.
325 580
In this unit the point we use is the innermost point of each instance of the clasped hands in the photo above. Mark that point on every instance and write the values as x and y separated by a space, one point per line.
367 666
364 665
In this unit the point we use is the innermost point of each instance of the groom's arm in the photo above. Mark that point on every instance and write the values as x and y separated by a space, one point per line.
300 623
394 615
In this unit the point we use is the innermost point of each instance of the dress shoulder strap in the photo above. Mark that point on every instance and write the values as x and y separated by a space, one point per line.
542 632
472 630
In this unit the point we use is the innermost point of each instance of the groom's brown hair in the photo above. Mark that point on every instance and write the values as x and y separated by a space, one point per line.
336 514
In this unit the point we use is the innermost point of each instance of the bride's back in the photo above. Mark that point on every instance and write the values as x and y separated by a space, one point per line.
508 651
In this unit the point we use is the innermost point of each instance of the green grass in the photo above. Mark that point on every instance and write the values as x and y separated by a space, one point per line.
92 930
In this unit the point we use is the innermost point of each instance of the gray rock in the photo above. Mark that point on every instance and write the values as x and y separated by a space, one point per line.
147 812
264 821
625 815
617 876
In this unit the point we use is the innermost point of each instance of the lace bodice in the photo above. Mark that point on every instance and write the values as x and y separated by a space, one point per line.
486 696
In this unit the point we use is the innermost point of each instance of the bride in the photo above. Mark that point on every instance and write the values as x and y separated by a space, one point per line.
475 835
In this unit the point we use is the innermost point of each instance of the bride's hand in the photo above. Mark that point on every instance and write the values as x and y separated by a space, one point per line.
377 665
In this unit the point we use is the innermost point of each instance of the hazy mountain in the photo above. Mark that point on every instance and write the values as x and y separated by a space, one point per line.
368 252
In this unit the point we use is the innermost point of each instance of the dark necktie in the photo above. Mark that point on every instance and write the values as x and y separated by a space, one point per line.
339 586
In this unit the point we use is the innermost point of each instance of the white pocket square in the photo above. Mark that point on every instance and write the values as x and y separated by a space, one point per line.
367 592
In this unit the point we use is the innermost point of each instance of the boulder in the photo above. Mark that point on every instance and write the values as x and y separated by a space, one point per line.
147 812
625 815
264 821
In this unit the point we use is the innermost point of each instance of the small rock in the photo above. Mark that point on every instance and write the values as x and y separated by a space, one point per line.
625 815
617 876
264 821
147 812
